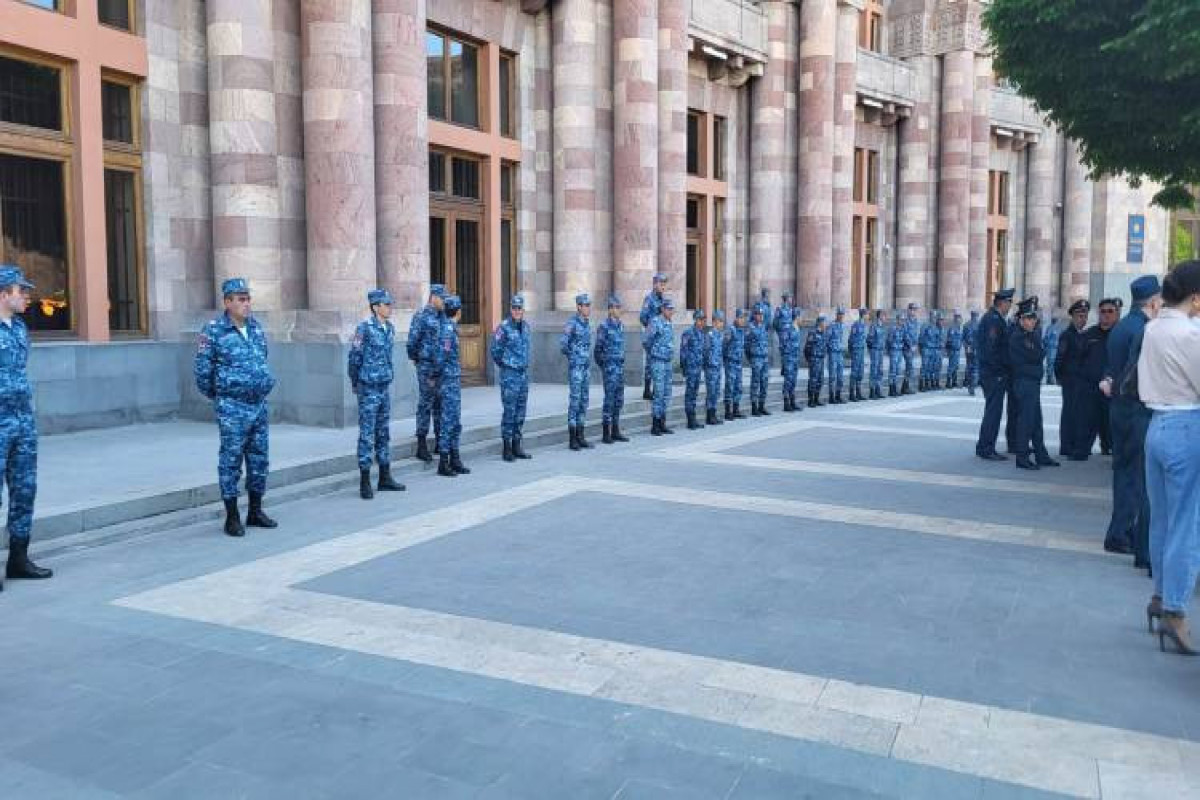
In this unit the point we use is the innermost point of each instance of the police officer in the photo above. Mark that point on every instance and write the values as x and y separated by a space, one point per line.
1095 366
939 349
1050 344
763 304
714 362
991 342
858 354
449 373
1068 367
895 348
692 347
814 353
1027 359
370 369
18 429
970 331
876 342
659 343
231 369
758 351
927 343
424 338
954 345
835 354
784 324
912 338
576 344
510 353
733 352
651 308
610 357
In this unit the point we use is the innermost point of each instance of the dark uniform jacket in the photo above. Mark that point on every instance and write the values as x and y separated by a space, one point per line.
992 341
1068 362
1095 355
1026 355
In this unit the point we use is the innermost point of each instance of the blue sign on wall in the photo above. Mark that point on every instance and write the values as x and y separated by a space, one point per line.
1137 239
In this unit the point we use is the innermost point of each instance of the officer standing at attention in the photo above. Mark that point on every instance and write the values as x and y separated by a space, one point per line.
659 343
927 342
692 347
876 342
610 357
763 304
939 349
651 308
370 370
1068 367
714 362
449 372
758 349
954 344
895 348
912 338
835 353
1096 367
510 353
733 351
1027 359
814 354
231 369
424 337
576 344
18 428
1050 344
992 355
858 354
784 324
970 346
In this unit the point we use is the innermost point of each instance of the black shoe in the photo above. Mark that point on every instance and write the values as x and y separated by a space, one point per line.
729 412
519 451
692 424
906 388
386 483
583 442
20 567
256 517
606 438
423 450
233 519
457 465
992 456
646 393
616 431
444 468
713 418
1024 462
655 426
754 412
1106 451
787 403
573 442
1048 462
837 399
364 484
762 409
1120 548
1077 457
662 426
508 453
737 411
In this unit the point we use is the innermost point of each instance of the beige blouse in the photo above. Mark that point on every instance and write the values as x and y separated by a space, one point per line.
1169 366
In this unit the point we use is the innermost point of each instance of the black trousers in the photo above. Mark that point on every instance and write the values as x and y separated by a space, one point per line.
1011 415
1030 436
1067 437
994 389
1130 523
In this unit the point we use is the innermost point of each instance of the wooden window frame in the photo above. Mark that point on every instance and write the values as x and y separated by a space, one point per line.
998 237
133 19
483 80
513 104
127 157
870 26
709 237
865 218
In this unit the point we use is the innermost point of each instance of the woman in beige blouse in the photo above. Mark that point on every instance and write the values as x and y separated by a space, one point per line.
1168 382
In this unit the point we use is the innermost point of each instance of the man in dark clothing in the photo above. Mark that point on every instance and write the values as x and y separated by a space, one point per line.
1026 357
991 341
1095 358
1068 367
1129 528
1110 316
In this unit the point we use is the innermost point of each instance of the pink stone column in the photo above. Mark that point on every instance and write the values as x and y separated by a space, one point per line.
981 152
773 157
1077 247
401 149
1040 218
243 146
635 145
915 259
339 152
814 250
672 141
845 101
954 180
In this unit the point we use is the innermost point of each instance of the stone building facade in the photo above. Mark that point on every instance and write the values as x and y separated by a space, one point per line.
857 152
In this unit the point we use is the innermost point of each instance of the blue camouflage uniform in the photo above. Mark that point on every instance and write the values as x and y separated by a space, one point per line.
835 353
783 322
449 376
576 344
876 346
18 429
231 369
651 308
763 303
510 353
758 350
659 343
912 336
815 348
714 363
970 348
931 353
857 343
424 335
610 357
895 347
954 346
692 347
370 369
1050 345
733 352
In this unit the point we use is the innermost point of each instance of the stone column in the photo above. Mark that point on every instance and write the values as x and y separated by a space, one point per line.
401 149
954 180
1077 247
1040 218
814 250
339 152
981 151
635 145
845 101
773 157
672 142
915 260
243 144
575 264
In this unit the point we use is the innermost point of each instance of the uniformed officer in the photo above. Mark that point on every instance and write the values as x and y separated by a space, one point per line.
758 350
1095 363
610 357
970 347
714 363
370 369
1068 367
576 344
858 354
938 349
912 337
895 348
733 352
927 344
814 354
659 343
231 369
424 338
835 354
991 341
651 308
1027 360
1050 344
954 346
18 428
510 353
449 371
763 304
876 345
692 347
784 324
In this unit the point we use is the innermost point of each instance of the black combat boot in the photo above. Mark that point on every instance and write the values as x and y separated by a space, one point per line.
364 484
655 426
1025 462
386 483
423 450
646 393
762 409
456 463
906 388
737 411
519 451
573 443
444 468
19 566
606 436
233 519
508 451
692 422
256 517
662 426
617 436
754 412
583 442
837 398
728 411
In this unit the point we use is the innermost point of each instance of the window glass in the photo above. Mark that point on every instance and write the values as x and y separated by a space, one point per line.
859 166
464 83
437 250
693 144
465 178
718 148
115 13
506 183
116 102
51 5
33 221
872 177
30 94
437 173
124 280
435 52
692 256
693 213
507 76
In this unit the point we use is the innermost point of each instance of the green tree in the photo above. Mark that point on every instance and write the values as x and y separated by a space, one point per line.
1122 77
1183 247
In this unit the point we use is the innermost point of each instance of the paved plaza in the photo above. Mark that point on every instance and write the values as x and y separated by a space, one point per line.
841 603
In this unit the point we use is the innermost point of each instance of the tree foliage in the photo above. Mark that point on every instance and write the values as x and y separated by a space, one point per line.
1121 77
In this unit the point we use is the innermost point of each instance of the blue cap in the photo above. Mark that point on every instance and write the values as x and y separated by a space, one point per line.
437 290
698 313
862 312
757 310
379 297
739 314
1144 288
517 301
583 299
841 312
787 294
764 292
719 314
660 277
914 306
1004 294
614 301
453 303
11 275
820 318
235 286
668 303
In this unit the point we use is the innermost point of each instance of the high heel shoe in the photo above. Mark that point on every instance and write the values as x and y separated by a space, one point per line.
1154 610
1173 626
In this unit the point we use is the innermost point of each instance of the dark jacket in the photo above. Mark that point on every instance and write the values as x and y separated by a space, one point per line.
1124 343
1068 363
1095 354
992 342
1026 355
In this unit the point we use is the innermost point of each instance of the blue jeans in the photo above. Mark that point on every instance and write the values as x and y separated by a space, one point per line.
1173 483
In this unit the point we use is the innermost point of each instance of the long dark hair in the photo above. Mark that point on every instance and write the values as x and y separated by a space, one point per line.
1181 283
